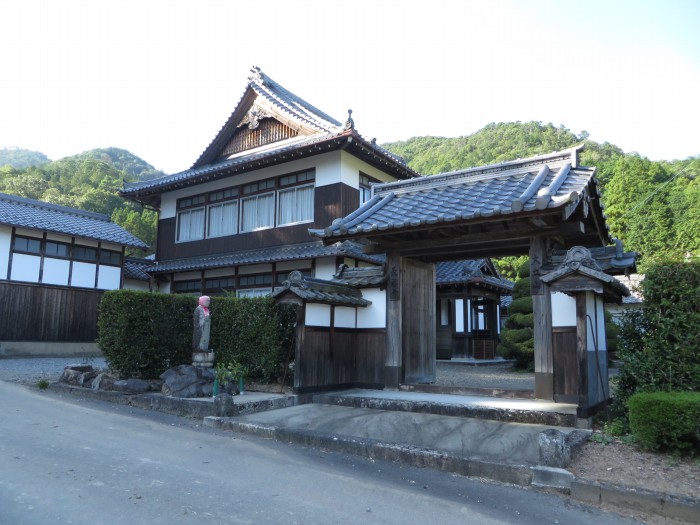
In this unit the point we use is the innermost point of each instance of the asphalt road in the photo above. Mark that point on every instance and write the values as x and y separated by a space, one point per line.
65 459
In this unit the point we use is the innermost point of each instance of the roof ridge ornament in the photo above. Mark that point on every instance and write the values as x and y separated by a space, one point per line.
580 256
349 123
256 76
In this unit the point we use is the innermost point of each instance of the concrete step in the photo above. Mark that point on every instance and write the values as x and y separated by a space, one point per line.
503 451
530 411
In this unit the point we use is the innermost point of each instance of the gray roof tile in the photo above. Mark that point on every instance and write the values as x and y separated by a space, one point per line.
468 272
135 268
265 255
37 215
320 291
469 194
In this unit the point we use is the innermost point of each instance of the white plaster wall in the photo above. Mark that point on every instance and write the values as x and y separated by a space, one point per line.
25 232
459 315
351 167
318 315
600 310
87 242
219 272
133 284
325 268
374 316
5 245
345 317
595 306
83 274
288 266
255 268
563 310
327 172
109 277
63 238
56 271
187 276
25 268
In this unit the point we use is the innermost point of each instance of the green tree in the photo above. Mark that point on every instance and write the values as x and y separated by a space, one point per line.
518 337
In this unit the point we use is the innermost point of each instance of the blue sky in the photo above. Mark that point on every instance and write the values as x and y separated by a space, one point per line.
159 78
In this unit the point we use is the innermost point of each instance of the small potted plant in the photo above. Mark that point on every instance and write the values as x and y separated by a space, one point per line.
226 373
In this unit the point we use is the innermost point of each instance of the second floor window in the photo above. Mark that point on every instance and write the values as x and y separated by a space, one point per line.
190 225
258 212
366 187
296 204
223 219
279 201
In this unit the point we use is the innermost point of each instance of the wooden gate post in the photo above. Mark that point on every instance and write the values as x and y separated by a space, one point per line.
542 314
394 348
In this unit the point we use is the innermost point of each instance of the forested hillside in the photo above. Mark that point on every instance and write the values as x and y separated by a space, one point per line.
88 181
21 158
654 207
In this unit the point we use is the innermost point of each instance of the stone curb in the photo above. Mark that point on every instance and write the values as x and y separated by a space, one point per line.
193 408
373 449
658 503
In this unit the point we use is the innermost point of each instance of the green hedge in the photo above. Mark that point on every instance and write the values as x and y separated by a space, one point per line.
666 420
658 345
143 334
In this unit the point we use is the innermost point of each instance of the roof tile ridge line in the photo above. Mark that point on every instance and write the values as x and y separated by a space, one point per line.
302 112
517 204
490 171
49 206
228 121
384 200
296 98
545 194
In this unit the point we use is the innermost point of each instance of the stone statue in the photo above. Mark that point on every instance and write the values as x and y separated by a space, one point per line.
202 326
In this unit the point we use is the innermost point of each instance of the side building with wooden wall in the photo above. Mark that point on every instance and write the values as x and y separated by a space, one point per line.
55 263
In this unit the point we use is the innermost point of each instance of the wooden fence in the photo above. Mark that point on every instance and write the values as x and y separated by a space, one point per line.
30 312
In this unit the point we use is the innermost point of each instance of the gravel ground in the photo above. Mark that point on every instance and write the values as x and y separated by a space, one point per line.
484 376
32 369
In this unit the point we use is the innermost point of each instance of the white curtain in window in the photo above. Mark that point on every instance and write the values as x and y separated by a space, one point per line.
223 219
296 205
258 212
190 225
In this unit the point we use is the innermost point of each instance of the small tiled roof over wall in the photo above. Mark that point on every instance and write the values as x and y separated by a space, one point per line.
36 215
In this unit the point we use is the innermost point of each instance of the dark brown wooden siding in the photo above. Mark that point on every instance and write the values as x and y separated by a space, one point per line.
418 321
267 132
339 358
331 202
39 313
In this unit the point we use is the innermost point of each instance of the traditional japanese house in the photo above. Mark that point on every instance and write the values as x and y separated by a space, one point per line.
55 262
468 313
238 219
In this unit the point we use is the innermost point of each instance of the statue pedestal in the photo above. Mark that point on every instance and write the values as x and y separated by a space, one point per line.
203 359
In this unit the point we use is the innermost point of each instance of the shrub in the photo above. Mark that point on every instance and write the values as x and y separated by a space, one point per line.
254 332
666 420
143 334
517 341
658 345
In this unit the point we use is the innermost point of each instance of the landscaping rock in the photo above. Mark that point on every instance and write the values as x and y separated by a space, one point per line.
188 381
132 386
